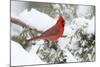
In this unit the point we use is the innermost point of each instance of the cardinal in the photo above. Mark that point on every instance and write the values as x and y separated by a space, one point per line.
52 34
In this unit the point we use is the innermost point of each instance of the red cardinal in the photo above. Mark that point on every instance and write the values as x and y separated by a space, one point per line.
54 33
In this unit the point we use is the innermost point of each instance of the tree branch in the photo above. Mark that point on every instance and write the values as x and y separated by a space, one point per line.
18 22
21 23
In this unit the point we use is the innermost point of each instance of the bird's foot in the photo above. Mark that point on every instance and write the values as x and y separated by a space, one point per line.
54 47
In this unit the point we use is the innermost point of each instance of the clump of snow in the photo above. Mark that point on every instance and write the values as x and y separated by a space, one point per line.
21 57
37 19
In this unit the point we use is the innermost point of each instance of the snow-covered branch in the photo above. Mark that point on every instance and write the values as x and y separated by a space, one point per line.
21 23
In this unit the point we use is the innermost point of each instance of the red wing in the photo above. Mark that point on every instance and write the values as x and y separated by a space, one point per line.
51 32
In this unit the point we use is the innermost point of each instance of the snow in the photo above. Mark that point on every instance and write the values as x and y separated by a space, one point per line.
62 42
17 7
15 29
91 26
84 11
71 28
37 19
70 57
21 57
56 6
34 19
78 23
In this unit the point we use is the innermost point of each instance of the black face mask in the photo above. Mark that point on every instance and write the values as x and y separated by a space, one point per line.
63 24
